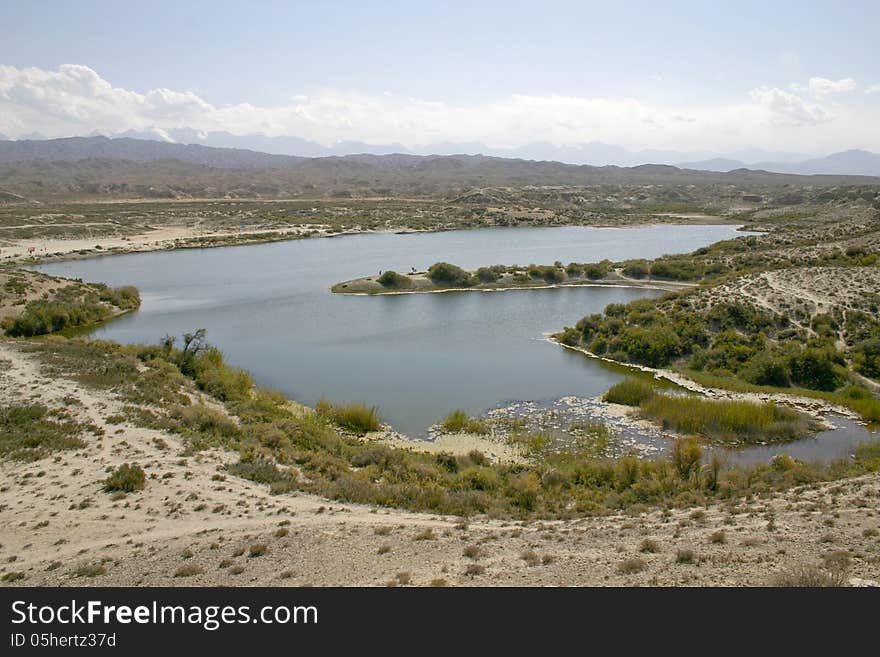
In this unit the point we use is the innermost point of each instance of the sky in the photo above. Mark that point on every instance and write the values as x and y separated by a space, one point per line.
793 76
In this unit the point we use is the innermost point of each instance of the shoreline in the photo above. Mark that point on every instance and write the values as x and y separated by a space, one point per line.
173 238
669 286
812 406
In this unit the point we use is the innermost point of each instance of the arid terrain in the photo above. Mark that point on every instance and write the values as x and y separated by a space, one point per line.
240 486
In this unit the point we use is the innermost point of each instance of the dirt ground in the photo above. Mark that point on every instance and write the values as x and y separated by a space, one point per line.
195 525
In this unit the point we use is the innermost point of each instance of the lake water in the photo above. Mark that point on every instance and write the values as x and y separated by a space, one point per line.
416 357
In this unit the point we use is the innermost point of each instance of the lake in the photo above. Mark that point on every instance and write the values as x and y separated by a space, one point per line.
415 357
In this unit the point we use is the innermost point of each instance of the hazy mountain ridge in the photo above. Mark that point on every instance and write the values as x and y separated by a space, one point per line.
93 167
846 163
137 150
851 162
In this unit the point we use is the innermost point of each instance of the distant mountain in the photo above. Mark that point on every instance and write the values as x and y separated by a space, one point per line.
846 163
592 153
263 148
98 167
753 155
137 150
715 164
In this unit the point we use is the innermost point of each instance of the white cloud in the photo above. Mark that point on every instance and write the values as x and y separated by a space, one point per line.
75 99
873 89
822 86
786 107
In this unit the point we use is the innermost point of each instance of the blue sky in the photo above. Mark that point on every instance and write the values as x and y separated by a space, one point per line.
739 73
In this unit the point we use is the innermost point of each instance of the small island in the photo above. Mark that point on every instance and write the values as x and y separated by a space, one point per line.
446 277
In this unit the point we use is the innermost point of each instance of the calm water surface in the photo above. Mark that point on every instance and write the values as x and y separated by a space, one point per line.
416 357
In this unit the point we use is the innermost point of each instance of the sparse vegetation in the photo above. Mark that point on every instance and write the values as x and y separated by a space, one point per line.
29 432
357 418
630 392
126 478
631 566
459 422
808 576
393 280
189 570
685 556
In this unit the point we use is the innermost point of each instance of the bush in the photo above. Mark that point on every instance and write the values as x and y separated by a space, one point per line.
126 478
42 317
816 369
71 308
442 273
394 280
29 432
205 420
685 556
459 422
686 455
809 577
189 570
219 380
636 269
631 566
866 357
655 346
124 298
357 418
629 392
487 275
767 370
260 470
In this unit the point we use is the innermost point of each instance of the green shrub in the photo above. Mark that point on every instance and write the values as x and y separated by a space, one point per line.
215 377
126 478
637 269
630 392
392 279
443 273
124 298
260 470
459 422
816 369
29 432
487 275
42 317
686 455
866 357
205 420
71 307
729 421
357 418
767 370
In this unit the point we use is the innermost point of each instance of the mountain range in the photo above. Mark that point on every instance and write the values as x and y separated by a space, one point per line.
100 167
851 162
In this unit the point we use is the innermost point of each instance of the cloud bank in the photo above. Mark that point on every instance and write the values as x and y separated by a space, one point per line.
76 100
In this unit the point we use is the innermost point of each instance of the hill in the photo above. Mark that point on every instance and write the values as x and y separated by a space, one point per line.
97 167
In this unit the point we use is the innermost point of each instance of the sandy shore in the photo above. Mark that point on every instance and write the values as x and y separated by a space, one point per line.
169 238
56 520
